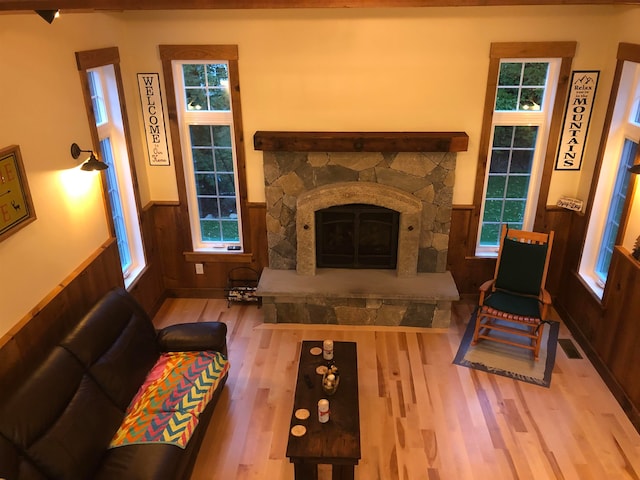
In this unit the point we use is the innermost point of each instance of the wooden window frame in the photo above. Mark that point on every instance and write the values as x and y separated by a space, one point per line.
86 60
563 50
168 53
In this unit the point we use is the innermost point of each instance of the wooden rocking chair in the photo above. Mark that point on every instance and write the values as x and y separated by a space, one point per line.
515 301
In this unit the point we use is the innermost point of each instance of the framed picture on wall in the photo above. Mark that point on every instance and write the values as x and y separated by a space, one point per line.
16 207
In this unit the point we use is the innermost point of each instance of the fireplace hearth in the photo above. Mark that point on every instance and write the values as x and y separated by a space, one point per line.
376 203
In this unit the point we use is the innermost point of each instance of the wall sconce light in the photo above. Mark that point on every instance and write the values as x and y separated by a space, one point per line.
92 162
48 15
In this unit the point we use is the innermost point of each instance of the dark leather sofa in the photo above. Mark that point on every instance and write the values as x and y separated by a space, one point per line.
58 423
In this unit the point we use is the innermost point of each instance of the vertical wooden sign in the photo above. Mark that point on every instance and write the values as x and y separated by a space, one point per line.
153 117
582 94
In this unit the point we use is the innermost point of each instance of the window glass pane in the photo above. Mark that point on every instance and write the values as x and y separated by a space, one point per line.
521 161
215 182
203 159
224 159
119 223
516 82
496 186
518 186
230 231
200 135
222 136
510 74
508 181
513 211
502 136
490 234
507 99
97 98
535 74
193 75
209 209
636 117
616 207
226 185
531 98
525 137
492 211
206 184
207 86
210 230
499 161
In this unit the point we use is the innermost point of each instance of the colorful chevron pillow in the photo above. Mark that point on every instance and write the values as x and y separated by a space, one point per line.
168 404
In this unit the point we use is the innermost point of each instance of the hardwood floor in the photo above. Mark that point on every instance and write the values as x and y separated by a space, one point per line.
421 416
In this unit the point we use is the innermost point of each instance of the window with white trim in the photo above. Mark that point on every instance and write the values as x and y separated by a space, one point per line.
614 180
113 151
207 133
525 95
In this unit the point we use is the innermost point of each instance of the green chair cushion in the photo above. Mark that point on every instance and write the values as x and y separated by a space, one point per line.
515 304
521 267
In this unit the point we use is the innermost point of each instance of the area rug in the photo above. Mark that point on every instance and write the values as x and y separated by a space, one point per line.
507 360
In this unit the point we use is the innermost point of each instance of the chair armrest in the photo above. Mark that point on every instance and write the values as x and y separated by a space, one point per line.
486 286
185 337
545 296
484 289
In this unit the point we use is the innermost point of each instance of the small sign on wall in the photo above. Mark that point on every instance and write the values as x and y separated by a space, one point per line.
576 121
153 116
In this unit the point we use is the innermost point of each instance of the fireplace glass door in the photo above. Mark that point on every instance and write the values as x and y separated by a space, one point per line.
357 236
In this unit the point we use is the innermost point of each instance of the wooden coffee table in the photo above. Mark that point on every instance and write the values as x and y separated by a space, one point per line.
336 442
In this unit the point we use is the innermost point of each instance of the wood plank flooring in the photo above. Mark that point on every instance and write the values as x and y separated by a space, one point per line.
421 416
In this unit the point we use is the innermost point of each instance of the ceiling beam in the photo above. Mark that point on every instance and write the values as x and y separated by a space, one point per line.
120 5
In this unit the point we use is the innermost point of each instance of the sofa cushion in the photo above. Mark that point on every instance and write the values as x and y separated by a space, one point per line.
59 419
117 343
189 337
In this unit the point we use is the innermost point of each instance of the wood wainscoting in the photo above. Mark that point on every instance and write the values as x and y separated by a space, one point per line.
470 271
177 260
29 341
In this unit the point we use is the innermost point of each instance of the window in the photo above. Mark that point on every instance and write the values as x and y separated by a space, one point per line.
612 222
102 88
522 94
520 129
610 203
211 159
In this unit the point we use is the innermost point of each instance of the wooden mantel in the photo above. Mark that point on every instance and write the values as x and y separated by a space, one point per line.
361 141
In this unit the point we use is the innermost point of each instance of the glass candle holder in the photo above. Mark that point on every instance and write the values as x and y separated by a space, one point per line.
330 380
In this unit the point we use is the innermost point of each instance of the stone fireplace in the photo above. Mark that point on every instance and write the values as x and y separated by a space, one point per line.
408 173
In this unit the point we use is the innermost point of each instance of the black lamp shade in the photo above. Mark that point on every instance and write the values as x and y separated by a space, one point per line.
93 164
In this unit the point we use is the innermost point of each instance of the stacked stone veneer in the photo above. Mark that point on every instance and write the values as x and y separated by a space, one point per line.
419 185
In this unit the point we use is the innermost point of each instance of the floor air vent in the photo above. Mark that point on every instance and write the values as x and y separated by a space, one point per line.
569 348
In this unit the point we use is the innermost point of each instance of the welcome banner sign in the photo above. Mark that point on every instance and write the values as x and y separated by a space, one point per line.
153 118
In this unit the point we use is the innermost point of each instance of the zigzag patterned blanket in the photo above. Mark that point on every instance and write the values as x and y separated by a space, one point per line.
168 404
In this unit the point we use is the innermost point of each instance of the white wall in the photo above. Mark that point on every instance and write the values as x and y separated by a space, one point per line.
380 69
42 111
317 69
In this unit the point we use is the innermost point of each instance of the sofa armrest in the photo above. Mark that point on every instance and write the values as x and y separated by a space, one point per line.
185 337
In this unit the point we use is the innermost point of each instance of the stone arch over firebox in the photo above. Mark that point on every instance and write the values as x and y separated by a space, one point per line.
409 207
